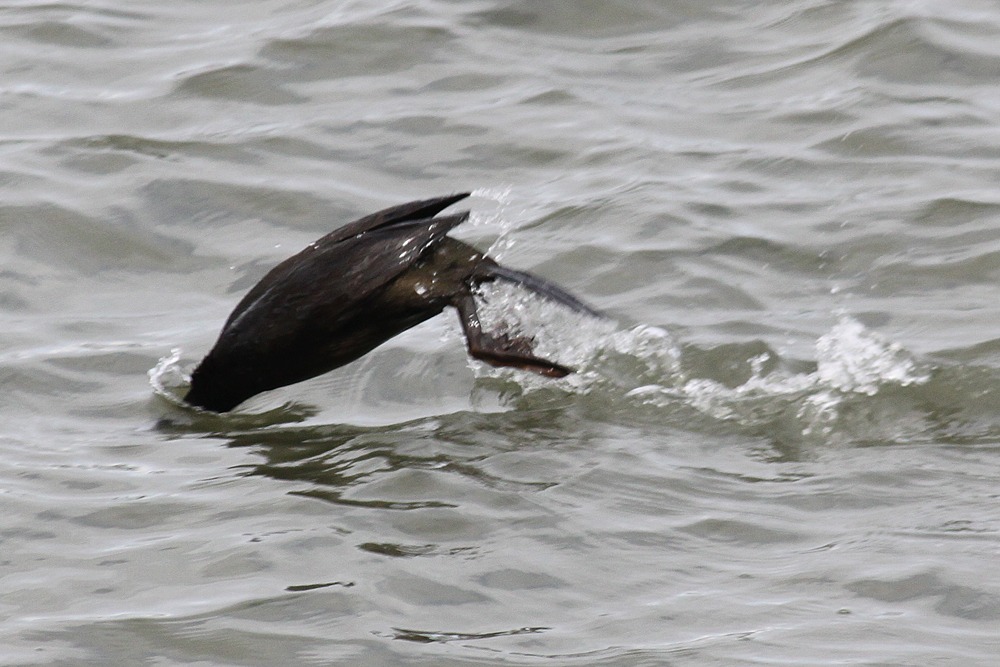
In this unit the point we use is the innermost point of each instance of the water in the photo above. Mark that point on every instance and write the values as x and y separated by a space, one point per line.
782 448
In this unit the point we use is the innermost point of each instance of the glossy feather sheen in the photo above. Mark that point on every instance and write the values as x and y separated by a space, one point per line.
352 290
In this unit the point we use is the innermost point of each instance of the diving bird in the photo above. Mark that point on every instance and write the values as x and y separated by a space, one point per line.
355 288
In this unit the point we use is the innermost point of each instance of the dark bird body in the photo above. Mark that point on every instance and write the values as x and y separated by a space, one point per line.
352 290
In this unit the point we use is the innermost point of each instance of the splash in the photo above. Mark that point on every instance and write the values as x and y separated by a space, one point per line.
597 348
853 359
499 220
852 363
168 379
760 399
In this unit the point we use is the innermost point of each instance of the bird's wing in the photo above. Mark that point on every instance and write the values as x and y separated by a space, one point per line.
327 280
403 217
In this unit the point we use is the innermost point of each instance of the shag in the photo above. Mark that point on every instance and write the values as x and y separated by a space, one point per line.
355 288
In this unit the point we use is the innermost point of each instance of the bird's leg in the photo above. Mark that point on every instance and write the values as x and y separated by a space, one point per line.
499 349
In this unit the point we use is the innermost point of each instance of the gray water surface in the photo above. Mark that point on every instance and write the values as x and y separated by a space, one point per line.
782 448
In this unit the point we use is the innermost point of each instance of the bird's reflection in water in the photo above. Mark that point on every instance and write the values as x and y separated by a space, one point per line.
333 462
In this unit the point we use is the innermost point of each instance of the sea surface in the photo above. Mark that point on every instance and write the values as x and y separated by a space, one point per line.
781 447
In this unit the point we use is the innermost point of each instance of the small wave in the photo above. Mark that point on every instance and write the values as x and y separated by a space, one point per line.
171 380
852 363
853 359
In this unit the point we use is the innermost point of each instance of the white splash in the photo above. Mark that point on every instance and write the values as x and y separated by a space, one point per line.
167 377
852 362
851 358
757 400
596 348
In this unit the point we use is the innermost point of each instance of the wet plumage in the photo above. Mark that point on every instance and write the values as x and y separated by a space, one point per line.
354 289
